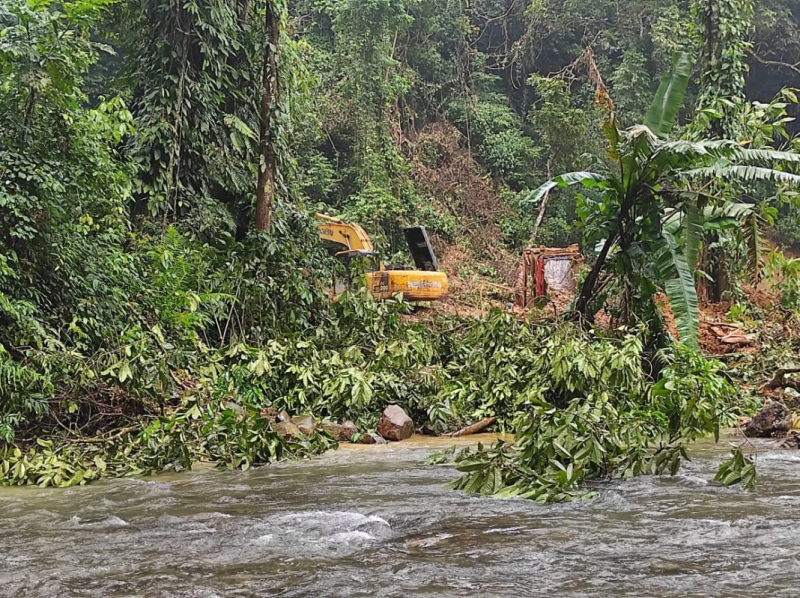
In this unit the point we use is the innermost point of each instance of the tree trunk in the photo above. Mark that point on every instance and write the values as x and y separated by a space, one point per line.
542 210
474 428
589 285
267 168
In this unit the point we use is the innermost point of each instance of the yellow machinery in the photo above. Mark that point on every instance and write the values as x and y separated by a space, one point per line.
423 284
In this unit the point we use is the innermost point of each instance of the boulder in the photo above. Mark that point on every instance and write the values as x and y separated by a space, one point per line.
773 420
371 438
305 423
349 428
395 424
342 432
287 429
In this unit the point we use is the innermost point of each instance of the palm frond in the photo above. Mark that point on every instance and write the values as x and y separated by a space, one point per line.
744 173
679 284
765 156
726 216
684 147
669 97
587 179
731 209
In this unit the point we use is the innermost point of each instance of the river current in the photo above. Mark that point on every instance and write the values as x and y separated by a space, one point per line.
376 521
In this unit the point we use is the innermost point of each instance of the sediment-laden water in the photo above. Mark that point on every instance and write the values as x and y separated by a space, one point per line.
376 522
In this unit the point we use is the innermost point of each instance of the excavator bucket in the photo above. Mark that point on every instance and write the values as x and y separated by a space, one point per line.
421 250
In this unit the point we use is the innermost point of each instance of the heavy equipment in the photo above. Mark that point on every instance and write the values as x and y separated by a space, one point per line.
425 283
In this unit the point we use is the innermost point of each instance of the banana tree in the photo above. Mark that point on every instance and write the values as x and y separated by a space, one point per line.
644 178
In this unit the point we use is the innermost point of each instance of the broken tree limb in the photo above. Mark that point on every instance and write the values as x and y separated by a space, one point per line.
781 380
474 428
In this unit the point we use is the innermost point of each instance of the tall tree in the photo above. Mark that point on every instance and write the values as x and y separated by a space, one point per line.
270 95
190 66
724 28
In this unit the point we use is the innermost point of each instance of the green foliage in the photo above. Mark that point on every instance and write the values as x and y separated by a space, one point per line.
630 85
784 273
62 192
593 416
228 434
648 182
565 129
364 32
498 135
723 32
679 283
144 326
762 127
194 92
739 469
663 111
363 360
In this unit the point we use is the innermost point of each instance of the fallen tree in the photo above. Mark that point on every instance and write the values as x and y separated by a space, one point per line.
474 428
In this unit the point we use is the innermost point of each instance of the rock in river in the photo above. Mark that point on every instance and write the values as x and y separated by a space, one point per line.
773 420
371 438
305 423
395 424
287 429
341 432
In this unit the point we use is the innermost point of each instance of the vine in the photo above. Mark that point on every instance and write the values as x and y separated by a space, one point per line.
723 30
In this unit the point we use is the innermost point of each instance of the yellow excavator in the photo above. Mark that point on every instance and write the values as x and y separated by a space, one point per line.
425 283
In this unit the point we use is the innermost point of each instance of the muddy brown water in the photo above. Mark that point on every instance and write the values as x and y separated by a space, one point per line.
375 521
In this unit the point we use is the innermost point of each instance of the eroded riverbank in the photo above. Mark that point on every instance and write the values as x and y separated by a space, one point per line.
374 521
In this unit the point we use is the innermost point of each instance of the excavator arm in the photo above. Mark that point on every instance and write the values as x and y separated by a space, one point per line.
344 233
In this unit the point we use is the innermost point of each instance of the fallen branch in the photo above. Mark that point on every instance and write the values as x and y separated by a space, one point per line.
474 428
781 380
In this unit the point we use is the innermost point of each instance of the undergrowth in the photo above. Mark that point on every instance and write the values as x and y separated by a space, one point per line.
584 407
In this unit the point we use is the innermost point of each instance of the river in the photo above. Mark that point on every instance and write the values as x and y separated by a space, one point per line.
375 521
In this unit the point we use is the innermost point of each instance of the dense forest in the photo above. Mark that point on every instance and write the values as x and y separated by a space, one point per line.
163 289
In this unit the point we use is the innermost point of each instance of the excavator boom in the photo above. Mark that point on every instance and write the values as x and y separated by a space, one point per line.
344 233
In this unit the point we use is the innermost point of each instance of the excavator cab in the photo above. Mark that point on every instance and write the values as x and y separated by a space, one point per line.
424 284
356 266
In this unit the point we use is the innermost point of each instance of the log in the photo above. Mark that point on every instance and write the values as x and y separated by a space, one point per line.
474 428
